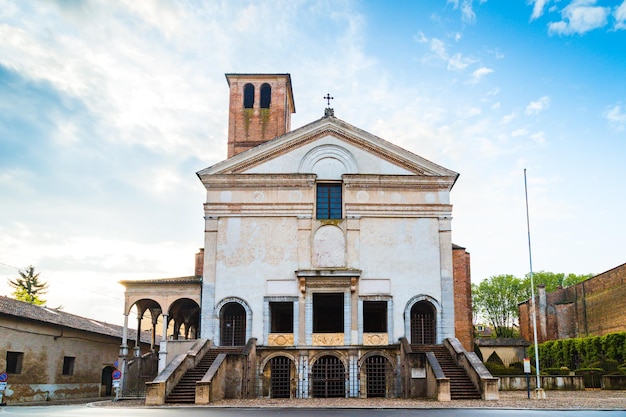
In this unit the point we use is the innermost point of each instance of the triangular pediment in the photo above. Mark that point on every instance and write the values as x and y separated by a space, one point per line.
372 155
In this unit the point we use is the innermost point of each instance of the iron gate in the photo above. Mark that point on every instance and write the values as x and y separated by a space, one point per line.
376 370
280 377
329 378
233 325
422 324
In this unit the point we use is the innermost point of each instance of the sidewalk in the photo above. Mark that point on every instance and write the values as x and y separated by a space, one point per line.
595 400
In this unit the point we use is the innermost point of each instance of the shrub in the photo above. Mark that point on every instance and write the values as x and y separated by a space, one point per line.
555 371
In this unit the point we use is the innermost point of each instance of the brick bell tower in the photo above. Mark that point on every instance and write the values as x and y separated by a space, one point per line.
260 109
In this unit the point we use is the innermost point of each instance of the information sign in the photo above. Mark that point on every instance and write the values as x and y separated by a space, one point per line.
526 365
3 386
117 383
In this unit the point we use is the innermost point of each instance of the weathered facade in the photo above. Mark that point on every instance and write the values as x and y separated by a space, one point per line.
50 354
589 308
324 247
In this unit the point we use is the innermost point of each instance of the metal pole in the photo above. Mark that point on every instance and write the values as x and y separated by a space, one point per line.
532 287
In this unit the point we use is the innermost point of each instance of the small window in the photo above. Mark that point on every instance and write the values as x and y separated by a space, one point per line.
266 96
68 365
329 201
375 316
14 362
281 314
248 96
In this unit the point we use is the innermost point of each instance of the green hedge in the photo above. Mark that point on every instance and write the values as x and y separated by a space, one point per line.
582 352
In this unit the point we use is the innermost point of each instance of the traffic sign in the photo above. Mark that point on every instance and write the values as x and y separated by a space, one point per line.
117 374
116 364
4 377
3 386
117 383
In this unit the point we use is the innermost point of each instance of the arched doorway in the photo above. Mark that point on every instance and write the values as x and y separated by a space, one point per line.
423 323
377 368
280 377
232 325
329 378
106 386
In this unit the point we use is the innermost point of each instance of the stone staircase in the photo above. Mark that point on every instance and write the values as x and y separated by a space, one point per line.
461 386
185 391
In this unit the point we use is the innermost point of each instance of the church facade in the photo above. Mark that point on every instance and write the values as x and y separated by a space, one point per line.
325 246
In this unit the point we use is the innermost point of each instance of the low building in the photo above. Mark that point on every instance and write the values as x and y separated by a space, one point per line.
507 349
49 354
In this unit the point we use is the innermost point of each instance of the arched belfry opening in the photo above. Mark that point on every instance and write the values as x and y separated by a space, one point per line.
266 96
248 96
423 323
232 325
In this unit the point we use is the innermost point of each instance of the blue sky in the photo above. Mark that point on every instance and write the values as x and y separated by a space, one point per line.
108 108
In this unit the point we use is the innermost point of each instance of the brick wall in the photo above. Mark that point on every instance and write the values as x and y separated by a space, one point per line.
594 307
250 127
463 327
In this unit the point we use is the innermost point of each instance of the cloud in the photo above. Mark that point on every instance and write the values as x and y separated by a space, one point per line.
620 16
478 74
467 12
538 7
580 16
617 117
537 106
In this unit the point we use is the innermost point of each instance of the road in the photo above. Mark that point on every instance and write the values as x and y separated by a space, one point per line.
85 411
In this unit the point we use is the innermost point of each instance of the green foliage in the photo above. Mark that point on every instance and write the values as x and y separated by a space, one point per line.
555 371
589 352
28 287
497 369
551 280
497 298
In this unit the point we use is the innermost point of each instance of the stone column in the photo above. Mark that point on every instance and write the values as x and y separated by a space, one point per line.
207 319
163 346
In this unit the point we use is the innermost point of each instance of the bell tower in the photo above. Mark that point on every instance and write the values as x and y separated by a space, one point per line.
260 109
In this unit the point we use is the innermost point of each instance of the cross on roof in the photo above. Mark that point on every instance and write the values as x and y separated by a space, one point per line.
328 98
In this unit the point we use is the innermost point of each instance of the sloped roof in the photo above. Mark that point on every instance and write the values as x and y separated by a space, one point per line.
42 314
329 126
175 280
501 341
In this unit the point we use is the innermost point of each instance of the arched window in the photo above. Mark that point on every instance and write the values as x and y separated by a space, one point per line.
266 96
248 96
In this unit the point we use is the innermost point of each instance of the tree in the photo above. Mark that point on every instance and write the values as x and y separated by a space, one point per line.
28 287
497 298
552 281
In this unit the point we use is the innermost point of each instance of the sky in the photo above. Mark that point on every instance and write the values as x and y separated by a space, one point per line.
109 108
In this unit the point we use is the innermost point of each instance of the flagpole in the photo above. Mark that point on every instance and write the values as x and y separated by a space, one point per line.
539 391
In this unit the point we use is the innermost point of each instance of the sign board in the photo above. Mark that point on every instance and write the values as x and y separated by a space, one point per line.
3 386
117 383
116 364
526 365
116 374
4 377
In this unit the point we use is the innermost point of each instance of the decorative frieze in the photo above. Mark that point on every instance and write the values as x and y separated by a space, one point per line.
328 339
280 339
375 339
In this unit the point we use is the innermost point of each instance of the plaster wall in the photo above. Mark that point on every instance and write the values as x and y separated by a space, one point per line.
43 347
